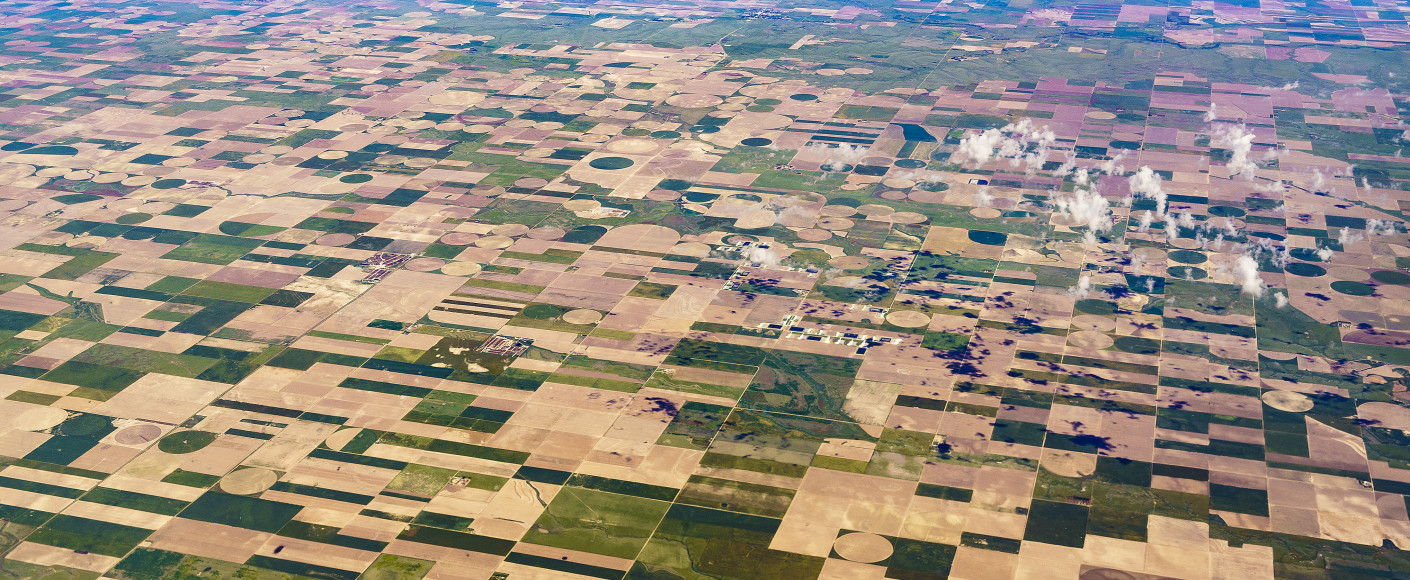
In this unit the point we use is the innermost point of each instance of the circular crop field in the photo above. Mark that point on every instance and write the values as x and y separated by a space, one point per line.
182 442
84 424
1395 277
1305 270
133 218
988 238
1187 272
611 163
542 311
1188 257
1353 288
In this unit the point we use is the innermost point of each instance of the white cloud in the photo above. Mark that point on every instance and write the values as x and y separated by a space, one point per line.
1375 227
1146 183
764 257
1325 254
1217 243
978 148
1008 142
1082 289
1283 257
982 197
1318 180
1246 269
1146 219
1067 166
1280 300
1211 115
1275 186
843 154
1113 166
851 282
795 214
1081 176
1239 141
1087 208
1187 221
1346 237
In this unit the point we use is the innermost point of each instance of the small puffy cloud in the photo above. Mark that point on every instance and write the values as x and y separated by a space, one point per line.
1346 237
764 257
1275 186
1010 142
978 148
849 281
1283 257
1146 219
1246 270
1068 164
1146 183
795 214
1081 176
1113 166
1375 227
842 154
1187 221
1082 289
1087 208
1231 228
1239 141
983 198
